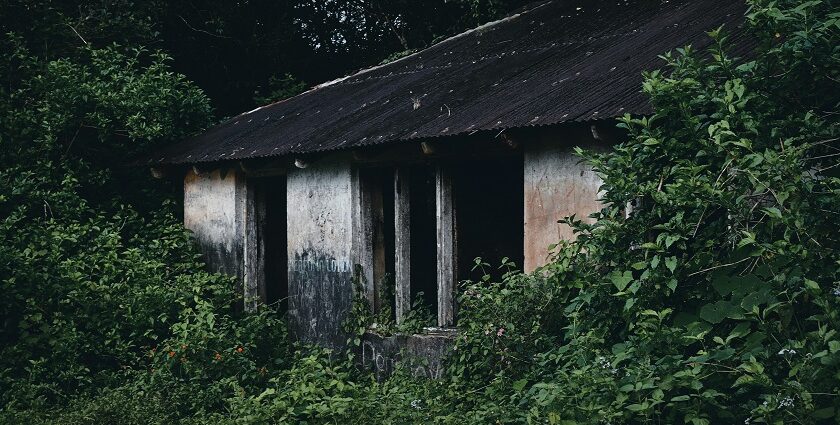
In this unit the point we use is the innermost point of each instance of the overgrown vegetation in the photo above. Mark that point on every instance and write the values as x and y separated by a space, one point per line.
714 299
362 318
248 53
99 288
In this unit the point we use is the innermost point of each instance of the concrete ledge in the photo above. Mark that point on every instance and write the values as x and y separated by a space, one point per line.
422 355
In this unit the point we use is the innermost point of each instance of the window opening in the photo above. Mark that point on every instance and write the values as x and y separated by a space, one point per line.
489 208
271 229
423 230
476 207
378 192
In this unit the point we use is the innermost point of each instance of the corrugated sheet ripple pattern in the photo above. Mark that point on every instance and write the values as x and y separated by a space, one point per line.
554 62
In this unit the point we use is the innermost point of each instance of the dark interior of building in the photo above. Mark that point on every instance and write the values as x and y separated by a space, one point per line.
271 192
489 208
379 184
423 235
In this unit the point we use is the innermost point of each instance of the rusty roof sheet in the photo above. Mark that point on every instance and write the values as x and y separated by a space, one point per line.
553 62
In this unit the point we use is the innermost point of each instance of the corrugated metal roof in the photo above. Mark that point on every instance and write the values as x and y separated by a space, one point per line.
553 62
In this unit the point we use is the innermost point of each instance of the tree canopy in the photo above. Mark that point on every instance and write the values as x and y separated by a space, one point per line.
240 52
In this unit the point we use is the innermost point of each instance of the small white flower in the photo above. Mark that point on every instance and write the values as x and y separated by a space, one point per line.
416 404
787 351
786 403
603 363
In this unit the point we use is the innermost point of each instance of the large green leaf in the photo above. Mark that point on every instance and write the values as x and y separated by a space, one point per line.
621 280
718 311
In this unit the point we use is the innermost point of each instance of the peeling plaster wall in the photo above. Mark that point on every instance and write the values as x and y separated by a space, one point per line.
213 211
320 228
325 228
556 186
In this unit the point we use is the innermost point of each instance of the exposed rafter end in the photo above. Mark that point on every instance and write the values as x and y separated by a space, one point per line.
305 160
602 133
508 141
428 148
361 155
158 172
199 170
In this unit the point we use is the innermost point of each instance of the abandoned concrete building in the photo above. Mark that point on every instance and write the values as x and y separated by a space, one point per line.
409 170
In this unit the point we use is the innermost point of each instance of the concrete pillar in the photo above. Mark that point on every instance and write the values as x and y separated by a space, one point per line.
557 185
214 210
320 212
446 240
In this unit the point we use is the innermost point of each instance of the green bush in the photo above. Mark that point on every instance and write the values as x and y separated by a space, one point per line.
708 290
96 273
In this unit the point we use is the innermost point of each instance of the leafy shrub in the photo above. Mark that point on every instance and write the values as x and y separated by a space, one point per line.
91 282
714 299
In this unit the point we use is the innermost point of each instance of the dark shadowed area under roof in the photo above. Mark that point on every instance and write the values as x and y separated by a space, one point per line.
553 62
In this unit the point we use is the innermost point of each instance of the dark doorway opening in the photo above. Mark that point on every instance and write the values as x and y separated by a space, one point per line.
489 210
271 203
423 230
378 184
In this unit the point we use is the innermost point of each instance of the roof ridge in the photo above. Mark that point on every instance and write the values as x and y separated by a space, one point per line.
544 46
527 9
446 40
601 72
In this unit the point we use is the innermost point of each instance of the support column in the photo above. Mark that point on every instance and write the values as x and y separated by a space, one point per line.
362 239
254 249
446 263
402 242
320 206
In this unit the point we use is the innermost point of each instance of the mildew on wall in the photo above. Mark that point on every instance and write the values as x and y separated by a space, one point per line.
557 185
213 210
421 356
327 235
319 202
320 227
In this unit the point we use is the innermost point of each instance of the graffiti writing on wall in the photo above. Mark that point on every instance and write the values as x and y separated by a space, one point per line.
304 262
320 296
384 362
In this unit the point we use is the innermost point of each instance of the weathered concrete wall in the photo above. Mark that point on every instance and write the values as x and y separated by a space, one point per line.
325 234
319 211
422 356
213 210
556 186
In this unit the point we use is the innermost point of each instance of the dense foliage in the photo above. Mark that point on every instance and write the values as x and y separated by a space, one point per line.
96 276
706 292
246 53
